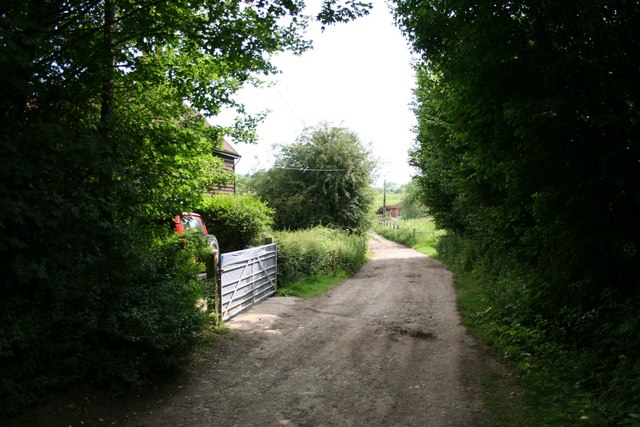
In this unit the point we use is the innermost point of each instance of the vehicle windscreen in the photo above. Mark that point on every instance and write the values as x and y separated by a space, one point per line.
193 224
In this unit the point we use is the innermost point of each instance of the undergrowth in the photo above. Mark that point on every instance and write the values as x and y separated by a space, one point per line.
568 379
125 317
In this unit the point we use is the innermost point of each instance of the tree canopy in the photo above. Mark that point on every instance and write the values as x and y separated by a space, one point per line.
322 179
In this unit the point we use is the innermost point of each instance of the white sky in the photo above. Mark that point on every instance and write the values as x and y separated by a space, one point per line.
358 75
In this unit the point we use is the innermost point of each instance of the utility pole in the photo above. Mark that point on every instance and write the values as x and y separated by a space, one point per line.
384 199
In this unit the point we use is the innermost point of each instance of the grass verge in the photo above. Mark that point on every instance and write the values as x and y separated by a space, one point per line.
318 252
313 286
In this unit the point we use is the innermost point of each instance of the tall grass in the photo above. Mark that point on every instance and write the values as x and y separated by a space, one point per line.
317 252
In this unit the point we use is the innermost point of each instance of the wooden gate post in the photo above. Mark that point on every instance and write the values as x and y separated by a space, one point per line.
213 274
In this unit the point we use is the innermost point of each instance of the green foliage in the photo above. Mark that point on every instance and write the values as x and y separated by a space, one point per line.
322 179
237 221
408 196
564 384
393 196
333 11
315 252
532 167
567 378
528 151
413 205
243 184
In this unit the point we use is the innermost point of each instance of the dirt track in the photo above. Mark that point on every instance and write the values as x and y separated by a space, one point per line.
385 348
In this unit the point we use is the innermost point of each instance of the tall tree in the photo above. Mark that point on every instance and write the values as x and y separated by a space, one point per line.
322 179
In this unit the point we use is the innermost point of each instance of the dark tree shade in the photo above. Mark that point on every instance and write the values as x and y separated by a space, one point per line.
528 129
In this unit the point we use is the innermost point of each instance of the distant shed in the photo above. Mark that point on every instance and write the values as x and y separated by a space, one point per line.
393 211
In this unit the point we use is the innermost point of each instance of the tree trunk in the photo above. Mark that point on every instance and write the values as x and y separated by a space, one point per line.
108 85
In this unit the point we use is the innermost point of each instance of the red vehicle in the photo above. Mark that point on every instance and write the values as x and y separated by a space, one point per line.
191 221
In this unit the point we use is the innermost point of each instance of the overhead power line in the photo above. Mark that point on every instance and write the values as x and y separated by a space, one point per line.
311 169
304 125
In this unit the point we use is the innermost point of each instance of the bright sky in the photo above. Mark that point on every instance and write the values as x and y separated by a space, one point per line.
358 75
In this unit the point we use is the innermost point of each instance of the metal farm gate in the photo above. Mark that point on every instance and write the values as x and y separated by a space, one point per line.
246 278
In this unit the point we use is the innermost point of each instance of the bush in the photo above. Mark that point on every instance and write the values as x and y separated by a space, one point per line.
318 251
113 319
237 221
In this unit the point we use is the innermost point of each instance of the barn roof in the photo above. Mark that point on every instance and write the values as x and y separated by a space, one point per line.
228 150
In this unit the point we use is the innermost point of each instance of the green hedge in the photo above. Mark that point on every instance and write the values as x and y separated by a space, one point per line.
318 251
237 221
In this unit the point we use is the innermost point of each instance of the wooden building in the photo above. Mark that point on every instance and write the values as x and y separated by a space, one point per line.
230 157
393 211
